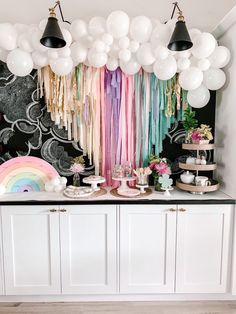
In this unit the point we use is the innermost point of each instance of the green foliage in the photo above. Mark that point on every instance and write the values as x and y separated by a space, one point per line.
189 119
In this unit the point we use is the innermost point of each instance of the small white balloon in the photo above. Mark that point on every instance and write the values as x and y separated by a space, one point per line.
99 45
59 188
171 24
145 55
131 67
107 39
204 64
118 24
42 24
112 64
160 35
19 62
124 42
141 29
8 36
55 181
78 52
40 59
125 55
87 41
194 61
133 46
67 36
97 59
64 52
193 33
214 79
63 181
198 97
36 35
183 64
97 26
204 45
3 55
52 54
78 29
220 57
191 78
161 52
49 187
165 69
107 49
183 54
61 66
21 28
24 42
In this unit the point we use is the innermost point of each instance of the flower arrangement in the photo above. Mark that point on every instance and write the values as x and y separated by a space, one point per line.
159 167
200 135
142 175
77 167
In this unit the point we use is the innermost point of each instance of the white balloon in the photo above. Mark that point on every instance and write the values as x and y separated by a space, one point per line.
183 54
191 78
78 52
21 28
171 24
193 33
125 55
204 45
145 55
165 69
99 45
24 42
49 187
42 24
8 36
194 61
87 41
36 35
40 59
204 64
124 42
133 46
59 188
78 29
97 26
3 55
220 57
161 52
112 64
183 64
214 79
61 66
97 59
52 54
19 62
107 39
67 36
160 35
107 49
118 24
63 181
141 29
131 67
148 68
198 97
64 52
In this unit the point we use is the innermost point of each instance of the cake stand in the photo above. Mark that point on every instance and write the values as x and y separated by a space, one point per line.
167 191
124 189
142 187
94 181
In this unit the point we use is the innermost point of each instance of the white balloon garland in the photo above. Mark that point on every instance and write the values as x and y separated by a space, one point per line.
119 41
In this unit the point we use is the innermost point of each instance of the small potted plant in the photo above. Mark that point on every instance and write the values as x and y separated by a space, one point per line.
200 135
159 167
190 122
78 165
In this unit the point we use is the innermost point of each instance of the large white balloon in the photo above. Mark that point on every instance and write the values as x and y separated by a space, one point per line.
78 52
36 35
19 62
204 45
8 36
160 35
112 64
165 69
61 66
161 52
131 67
21 28
214 79
78 29
97 26
145 55
191 78
125 55
67 36
107 39
24 42
193 33
133 46
183 64
118 24
99 45
64 52
97 59
198 97
40 59
204 64
220 57
141 29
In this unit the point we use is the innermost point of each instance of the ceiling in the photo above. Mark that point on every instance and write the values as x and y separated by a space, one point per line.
203 14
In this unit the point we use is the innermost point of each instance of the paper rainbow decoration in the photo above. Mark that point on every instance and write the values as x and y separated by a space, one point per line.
26 174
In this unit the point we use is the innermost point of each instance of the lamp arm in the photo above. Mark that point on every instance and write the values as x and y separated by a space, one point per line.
60 9
175 6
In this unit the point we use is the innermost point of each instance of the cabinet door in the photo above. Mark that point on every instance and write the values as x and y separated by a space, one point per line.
147 248
88 249
31 250
203 238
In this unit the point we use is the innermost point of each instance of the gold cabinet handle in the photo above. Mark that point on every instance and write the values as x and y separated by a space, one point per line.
63 210
182 210
172 209
53 210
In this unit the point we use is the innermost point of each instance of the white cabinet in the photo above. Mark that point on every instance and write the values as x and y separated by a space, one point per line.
31 250
203 239
147 248
88 249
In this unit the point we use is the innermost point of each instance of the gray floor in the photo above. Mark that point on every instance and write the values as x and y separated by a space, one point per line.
121 308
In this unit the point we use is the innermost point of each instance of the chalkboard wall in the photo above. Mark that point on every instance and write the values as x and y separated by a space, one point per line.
26 127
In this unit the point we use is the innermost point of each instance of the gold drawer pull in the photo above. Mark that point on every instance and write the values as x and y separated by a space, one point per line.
53 210
182 210
172 209
63 210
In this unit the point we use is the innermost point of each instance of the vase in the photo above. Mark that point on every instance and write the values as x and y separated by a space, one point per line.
157 185
76 179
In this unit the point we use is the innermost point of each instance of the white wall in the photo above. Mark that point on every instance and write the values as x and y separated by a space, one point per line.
226 119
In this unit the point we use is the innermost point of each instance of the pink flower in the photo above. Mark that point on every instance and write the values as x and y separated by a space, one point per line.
196 136
77 168
152 165
162 168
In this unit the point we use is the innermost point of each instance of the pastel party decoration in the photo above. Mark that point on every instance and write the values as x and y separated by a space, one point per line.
56 184
26 174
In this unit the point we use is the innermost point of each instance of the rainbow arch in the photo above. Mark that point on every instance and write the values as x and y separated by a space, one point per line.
26 174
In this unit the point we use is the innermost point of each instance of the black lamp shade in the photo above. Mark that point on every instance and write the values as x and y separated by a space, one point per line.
180 39
52 36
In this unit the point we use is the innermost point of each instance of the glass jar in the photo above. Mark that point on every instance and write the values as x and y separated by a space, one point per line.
76 179
157 185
